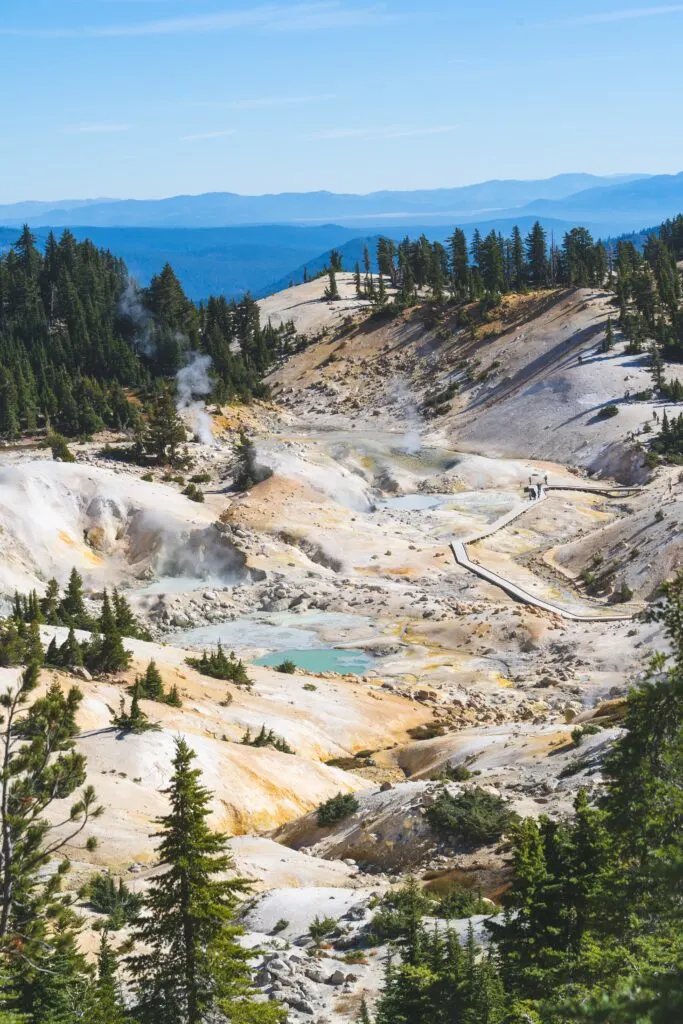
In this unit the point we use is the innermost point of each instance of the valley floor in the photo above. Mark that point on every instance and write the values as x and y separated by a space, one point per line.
406 662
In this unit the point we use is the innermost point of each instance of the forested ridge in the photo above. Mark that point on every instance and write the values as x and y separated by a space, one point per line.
79 340
76 335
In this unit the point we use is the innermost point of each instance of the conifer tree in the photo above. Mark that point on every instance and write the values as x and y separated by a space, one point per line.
151 684
103 1001
40 766
537 256
107 653
50 602
72 609
332 291
165 430
194 965
357 281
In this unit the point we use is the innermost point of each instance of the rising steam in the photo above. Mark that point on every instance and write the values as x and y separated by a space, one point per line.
192 381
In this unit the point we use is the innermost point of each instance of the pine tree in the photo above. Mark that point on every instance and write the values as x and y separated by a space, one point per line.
537 256
126 622
332 291
518 260
49 604
364 1015
107 653
72 609
459 262
151 684
71 652
103 1002
173 697
165 430
40 766
608 342
193 965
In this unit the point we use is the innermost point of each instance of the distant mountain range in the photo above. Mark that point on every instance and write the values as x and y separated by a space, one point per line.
221 243
227 209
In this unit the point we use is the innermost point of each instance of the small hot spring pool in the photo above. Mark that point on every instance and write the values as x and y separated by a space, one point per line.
322 659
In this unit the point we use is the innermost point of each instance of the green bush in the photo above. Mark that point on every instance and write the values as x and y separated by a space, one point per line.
321 927
337 808
475 815
106 897
459 902
266 738
581 731
287 667
60 449
193 493
454 773
280 926
607 412
200 478
219 666
396 910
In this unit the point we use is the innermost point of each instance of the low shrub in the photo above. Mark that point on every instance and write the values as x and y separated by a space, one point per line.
337 808
321 927
219 666
475 815
607 412
117 901
396 910
287 667
581 731
266 738
193 493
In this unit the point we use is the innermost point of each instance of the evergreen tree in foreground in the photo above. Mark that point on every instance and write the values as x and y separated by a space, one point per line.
194 965
38 949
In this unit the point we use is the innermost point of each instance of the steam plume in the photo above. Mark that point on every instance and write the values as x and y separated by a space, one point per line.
193 380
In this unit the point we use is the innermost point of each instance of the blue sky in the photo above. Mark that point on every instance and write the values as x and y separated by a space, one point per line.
147 98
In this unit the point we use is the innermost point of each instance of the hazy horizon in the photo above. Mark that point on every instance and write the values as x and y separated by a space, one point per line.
155 98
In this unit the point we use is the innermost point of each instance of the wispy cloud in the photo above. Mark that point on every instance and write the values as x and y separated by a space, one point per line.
392 131
256 102
303 17
200 136
627 14
97 128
